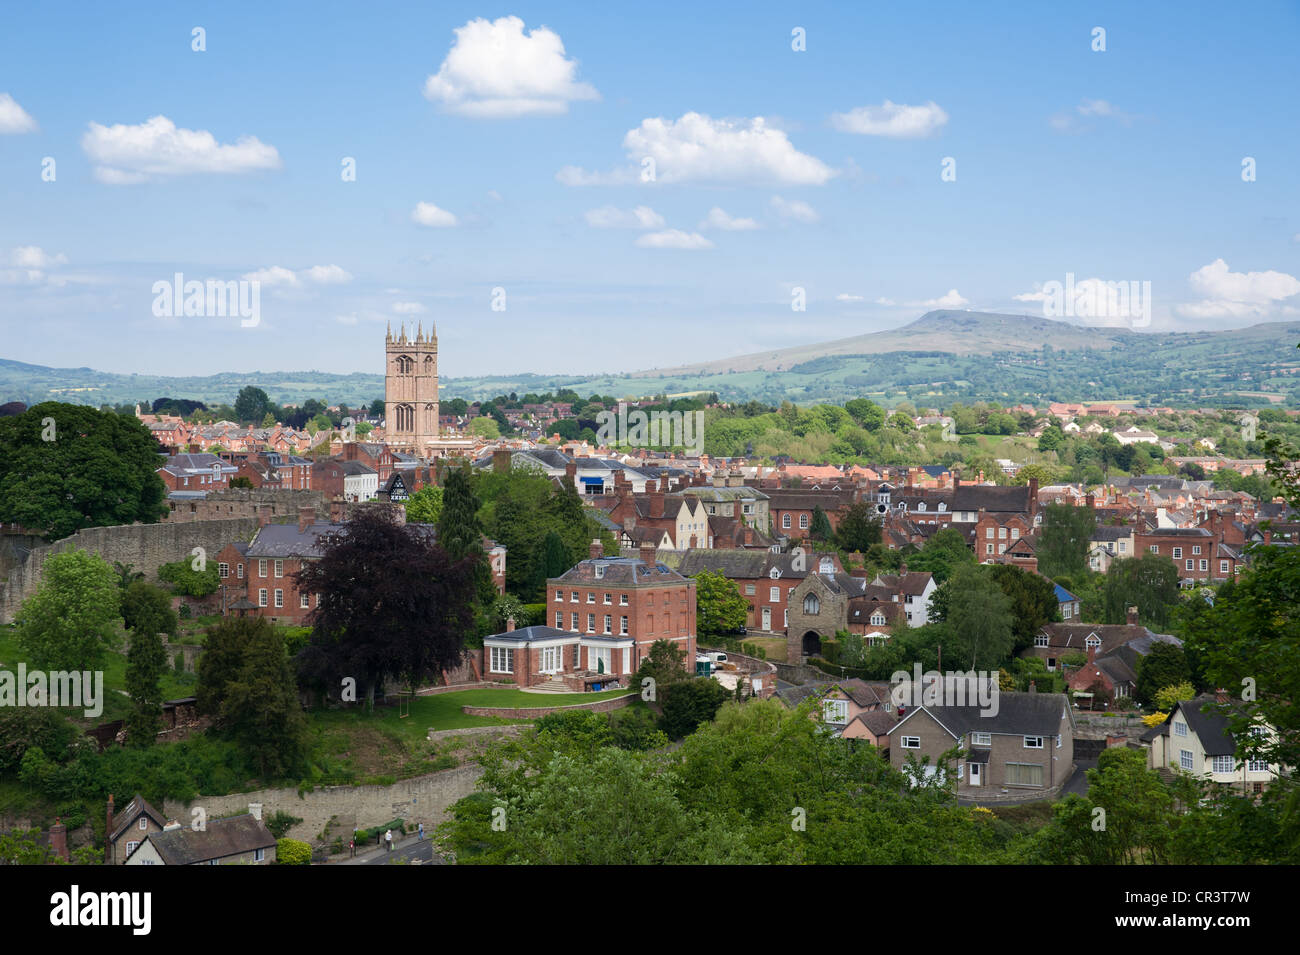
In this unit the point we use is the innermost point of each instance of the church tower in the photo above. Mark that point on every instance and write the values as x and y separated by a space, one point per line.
411 390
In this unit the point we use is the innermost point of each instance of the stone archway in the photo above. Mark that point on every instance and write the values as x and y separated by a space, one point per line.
812 644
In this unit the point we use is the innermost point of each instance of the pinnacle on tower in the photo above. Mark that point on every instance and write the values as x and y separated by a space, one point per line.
419 335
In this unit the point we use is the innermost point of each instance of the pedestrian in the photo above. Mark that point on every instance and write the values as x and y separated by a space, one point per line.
421 832
352 846
388 838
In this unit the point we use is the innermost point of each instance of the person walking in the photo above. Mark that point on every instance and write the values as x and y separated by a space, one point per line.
421 832
352 846
388 838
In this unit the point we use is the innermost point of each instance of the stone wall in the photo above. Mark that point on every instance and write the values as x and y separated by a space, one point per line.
533 712
145 546
241 502
14 548
420 799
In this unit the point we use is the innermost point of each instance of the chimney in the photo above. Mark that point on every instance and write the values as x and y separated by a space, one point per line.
902 569
336 511
571 472
255 810
510 624
59 839
1033 494
1221 695
1091 501
1092 654
597 549
656 499
263 514
1132 616
649 553
306 518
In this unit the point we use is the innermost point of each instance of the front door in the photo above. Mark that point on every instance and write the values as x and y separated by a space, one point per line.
976 778
767 618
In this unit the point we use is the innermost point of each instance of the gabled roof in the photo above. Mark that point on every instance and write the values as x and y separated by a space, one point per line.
220 839
1027 714
131 812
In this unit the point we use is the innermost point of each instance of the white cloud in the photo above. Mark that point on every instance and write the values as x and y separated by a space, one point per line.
885 301
673 239
409 308
952 299
794 209
718 219
126 155
846 297
1228 294
495 70
612 217
895 120
1066 122
426 213
13 118
697 148
34 257
279 276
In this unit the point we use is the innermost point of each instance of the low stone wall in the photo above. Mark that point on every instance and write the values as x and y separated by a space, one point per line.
460 687
532 712
800 673
420 799
512 730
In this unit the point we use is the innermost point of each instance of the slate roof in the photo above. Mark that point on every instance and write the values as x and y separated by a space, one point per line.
538 633
221 839
625 571
1071 636
1027 714
1206 720
878 722
126 818
972 497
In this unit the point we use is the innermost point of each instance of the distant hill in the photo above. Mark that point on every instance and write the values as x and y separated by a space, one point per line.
942 357
950 330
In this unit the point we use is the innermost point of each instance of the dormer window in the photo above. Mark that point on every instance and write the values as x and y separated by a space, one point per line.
1093 640
920 506
775 573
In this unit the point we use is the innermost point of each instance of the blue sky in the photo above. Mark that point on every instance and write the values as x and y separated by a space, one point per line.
525 148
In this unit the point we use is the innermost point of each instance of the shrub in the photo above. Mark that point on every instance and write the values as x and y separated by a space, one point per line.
292 852
280 822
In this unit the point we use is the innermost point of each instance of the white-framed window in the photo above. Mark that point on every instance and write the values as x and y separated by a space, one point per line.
1015 533
559 620
877 619
1223 566
1040 640
279 597
239 571
131 847
261 567
910 742
811 605
803 521
609 623
502 660
1033 742
261 597
304 601
750 590
1223 764
1257 766
1185 759
591 623
1196 549
1092 641
279 568
1178 553
259 855
609 599
573 597
988 533
1123 546
144 823
774 594
1204 564
591 597
1058 740
988 549
1189 563
785 521
559 596
622 600
1154 548
1180 729
552 661
835 711
598 656
223 570
981 739
622 625
747 509
573 617
1002 533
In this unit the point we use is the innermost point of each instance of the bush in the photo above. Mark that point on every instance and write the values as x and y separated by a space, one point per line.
280 823
536 613
292 852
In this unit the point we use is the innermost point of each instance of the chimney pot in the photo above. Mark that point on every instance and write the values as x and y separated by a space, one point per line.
1132 616
597 549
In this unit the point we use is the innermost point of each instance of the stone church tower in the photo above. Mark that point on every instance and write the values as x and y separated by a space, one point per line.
411 391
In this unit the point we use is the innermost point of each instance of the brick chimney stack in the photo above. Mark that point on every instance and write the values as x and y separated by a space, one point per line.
571 472
597 549
510 624
1132 616
649 553
306 518
59 839
656 499
263 514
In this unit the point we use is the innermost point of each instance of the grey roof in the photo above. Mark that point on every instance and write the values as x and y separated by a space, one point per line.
972 497
538 633
624 571
129 813
1028 714
1109 532
220 839
285 540
1209 723
354 468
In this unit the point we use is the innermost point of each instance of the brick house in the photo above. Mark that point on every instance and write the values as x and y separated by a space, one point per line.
1056 640
196 472
1027 744
765 579
1195 551
603 616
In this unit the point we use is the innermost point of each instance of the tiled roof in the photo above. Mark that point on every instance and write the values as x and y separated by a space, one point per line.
220 839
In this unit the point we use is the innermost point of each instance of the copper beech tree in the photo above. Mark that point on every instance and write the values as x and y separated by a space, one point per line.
393 605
